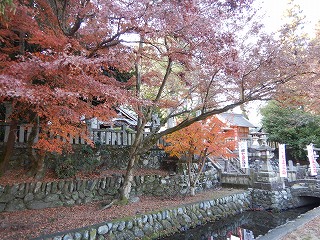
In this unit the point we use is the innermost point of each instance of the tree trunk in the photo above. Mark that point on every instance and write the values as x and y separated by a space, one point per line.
37 155
134 156
192 181
8 148
136 147
39 165
192 190
37 168
195 175
126 188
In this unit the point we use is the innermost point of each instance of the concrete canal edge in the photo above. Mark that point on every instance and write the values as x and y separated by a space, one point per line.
162 222
291 226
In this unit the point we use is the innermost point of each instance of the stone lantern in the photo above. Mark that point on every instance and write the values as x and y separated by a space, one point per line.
266 176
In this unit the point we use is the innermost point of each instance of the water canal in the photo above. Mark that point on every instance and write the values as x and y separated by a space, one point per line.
260 222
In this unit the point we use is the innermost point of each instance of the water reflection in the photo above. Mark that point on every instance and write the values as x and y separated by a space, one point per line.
260 222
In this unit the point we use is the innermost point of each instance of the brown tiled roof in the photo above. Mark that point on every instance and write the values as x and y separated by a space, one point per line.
234 119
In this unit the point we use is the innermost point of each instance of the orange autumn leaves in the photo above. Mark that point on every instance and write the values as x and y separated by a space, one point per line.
209 137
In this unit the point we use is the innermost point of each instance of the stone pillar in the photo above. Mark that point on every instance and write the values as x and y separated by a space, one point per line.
124 135
268 188
267 177
255 143
8 107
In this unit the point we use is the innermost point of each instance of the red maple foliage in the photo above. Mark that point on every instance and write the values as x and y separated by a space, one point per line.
195 143
55 55
205 137
59 58
52 76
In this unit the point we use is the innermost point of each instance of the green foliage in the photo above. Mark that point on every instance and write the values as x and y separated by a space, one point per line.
4 4
114 156
84 160
291 125
65 168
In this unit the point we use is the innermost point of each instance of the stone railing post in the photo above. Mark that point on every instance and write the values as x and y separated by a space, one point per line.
124 135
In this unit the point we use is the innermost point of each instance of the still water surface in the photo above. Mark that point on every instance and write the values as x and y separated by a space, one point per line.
260 222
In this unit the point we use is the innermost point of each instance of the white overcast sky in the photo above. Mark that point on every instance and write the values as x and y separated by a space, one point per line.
275 10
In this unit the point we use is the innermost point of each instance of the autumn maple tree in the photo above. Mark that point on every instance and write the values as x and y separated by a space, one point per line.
210 58
195 143
205 56
51 74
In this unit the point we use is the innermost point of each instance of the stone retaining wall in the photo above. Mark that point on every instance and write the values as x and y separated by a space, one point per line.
118 157
235 180
70 192
153 225
277 199
109 157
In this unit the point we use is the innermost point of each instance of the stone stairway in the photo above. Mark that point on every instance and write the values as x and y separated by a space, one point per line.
227 165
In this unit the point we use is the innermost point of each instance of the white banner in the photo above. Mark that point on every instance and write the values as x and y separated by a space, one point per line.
248 234
243 154
312 160
232 237
282 161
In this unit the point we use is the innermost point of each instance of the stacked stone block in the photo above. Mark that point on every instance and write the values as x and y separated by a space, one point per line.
39 195
161 223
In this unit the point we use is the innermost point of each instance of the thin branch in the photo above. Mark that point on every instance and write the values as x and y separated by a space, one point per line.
208 89
112 41
152 138
164 80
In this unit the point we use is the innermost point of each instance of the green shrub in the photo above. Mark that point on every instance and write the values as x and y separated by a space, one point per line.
65 168
84 160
